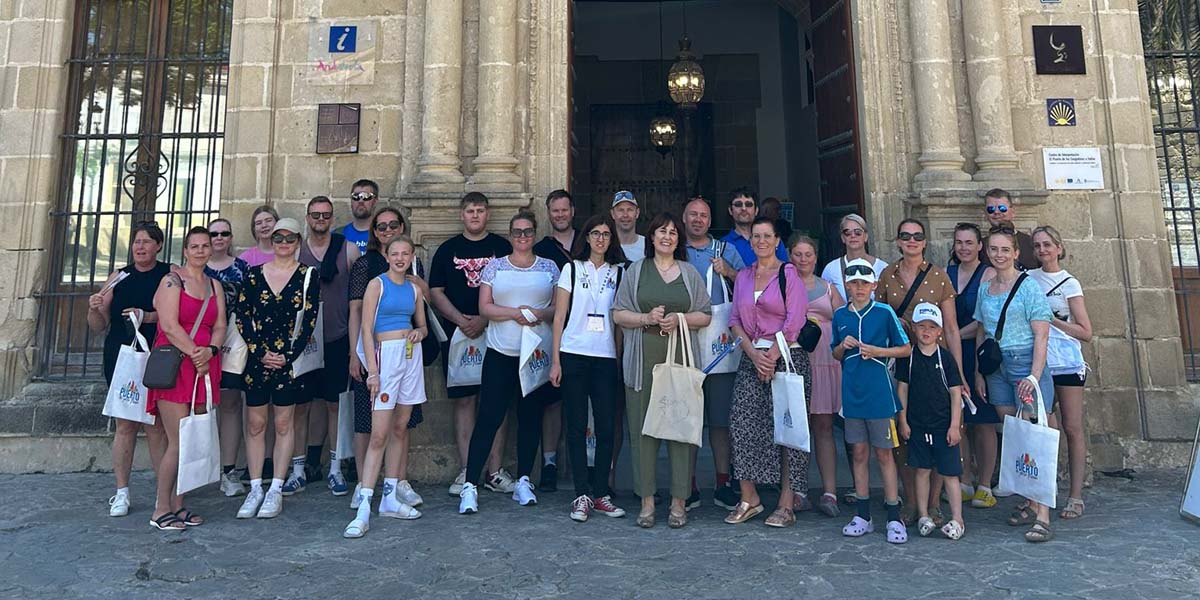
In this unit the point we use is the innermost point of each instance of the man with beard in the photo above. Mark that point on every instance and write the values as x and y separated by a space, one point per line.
363 196
744 209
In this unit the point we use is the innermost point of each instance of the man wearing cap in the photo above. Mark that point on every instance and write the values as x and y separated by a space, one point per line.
363 196
744 209
625 213
1000 211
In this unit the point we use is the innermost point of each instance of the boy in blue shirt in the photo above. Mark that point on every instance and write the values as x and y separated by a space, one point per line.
865 334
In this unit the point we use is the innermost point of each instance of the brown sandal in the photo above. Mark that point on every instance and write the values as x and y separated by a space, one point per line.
1023 515
646 521
677 520
743 512
1073 509
782 517
1040 532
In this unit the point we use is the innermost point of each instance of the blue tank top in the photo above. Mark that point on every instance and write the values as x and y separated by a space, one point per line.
964 300
396 305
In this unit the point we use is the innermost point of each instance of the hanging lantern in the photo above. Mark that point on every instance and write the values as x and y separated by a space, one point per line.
685 80
662 134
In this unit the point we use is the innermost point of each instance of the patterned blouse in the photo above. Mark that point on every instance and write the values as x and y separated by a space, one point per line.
231 278
267 320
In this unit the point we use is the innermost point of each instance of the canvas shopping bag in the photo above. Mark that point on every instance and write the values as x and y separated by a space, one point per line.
234 351
717 337
199 448
1029 458
127 394
534 358
345 428
313 355
790 407
676 410
464 362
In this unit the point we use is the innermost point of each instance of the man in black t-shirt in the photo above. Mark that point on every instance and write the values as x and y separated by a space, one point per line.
454 284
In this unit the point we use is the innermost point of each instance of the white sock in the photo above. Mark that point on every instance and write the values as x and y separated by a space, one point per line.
335 465
966 487
364 509
123 491
550 458
985 488
298 466
390 481
276 485
256 484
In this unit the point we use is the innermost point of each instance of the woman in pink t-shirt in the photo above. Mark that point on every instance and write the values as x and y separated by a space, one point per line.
263 222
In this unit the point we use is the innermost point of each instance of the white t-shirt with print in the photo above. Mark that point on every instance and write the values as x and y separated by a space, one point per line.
577 338
1059 297
514 286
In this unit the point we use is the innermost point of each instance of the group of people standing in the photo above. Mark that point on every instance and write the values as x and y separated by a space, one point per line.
893 363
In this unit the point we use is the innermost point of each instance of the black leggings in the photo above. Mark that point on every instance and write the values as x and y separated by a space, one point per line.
584 377
499 385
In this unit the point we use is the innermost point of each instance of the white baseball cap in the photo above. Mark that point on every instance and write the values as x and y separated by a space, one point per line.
927 312
859 270
624 196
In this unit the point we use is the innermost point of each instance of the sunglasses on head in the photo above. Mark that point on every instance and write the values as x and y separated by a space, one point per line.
1000 208
321 216
386 225
905 236
1008 229
623 195
279 238
220 234
859 270
527 232
361 196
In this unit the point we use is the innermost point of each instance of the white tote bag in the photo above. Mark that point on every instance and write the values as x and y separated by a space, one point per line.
534 358
345 425
790 407
1029 458
199 448
464 362
717 337
676 410
234 351
126 394
313 355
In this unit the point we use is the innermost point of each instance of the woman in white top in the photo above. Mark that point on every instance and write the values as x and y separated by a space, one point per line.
584 360
854 237
514 293
1069 327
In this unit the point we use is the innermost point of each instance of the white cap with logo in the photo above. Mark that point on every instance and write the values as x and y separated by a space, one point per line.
927 312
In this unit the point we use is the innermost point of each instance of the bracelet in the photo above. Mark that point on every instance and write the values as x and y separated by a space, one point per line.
370 377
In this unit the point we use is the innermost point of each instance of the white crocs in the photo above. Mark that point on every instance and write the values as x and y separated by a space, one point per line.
896 532
953 530
858 527
925 526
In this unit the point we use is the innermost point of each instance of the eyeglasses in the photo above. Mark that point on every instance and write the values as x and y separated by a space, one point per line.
279 238
386 225
747 204
853 232
321 216
1001 208
362 196
853 270
622 195
527 232
905 236
220 234
596 234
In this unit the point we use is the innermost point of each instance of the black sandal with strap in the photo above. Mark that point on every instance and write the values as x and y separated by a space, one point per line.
188 517
168 522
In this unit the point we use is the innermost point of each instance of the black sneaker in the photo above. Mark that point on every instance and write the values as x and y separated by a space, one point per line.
692 501
549 480
725 497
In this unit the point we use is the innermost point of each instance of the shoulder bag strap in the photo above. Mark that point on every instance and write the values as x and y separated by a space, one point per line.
1004 311
296 327
1060 284
571 300
912 290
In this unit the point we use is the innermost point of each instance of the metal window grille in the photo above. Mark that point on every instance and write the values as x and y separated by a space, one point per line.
142 141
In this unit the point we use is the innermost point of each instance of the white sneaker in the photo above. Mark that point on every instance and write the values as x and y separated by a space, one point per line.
250 505
356 499
272 505
501 482
390 506
118 505
405 493
230 485
523 493
456 487
468 503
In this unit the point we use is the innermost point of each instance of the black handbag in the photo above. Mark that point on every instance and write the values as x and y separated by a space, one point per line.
988 357
810 335
162 366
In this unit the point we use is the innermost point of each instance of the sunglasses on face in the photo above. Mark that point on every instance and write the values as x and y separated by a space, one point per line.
386 225
999 208
321 216
742 204
220 234
859 270
905 236
362 196
528 232
853 232
600 235
280 238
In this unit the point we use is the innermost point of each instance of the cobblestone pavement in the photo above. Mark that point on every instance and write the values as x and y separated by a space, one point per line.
56 541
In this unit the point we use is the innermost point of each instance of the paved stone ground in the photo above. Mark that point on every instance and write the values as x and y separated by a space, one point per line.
56 541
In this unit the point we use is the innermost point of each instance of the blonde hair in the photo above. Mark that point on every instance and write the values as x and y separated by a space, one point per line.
400 239
855 218
1054 236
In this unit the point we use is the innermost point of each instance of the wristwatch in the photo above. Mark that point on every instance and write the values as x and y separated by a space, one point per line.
214 349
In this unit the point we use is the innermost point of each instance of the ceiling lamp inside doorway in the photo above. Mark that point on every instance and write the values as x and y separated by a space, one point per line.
685 80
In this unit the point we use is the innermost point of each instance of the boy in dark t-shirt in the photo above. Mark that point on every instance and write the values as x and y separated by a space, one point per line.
930 392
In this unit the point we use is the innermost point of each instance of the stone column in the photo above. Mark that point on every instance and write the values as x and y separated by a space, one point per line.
495 167
438 166
988 84
933 79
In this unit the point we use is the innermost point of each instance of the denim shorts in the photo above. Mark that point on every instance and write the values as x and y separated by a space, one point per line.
1017 365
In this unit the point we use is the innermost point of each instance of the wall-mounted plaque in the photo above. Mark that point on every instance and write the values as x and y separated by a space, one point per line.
1060 112
337 128
1058 50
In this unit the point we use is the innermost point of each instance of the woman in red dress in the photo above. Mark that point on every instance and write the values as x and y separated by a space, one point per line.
179 300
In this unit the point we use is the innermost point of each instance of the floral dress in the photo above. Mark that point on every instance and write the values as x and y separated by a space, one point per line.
267 319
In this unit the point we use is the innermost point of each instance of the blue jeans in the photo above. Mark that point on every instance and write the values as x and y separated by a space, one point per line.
1017 365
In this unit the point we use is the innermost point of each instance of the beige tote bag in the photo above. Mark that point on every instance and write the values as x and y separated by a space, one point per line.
676 410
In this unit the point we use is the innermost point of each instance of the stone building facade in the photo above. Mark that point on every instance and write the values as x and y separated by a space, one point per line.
475 95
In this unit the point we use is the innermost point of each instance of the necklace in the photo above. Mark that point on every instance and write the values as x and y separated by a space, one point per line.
666 270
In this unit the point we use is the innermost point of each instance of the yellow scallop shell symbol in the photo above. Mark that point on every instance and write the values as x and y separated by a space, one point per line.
1062 114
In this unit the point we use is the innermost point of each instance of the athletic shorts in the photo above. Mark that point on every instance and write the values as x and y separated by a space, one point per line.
326 383
1068 380
880 433
290 397
401 375
928 449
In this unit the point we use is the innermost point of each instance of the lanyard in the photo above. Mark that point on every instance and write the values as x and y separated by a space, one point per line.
597 284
